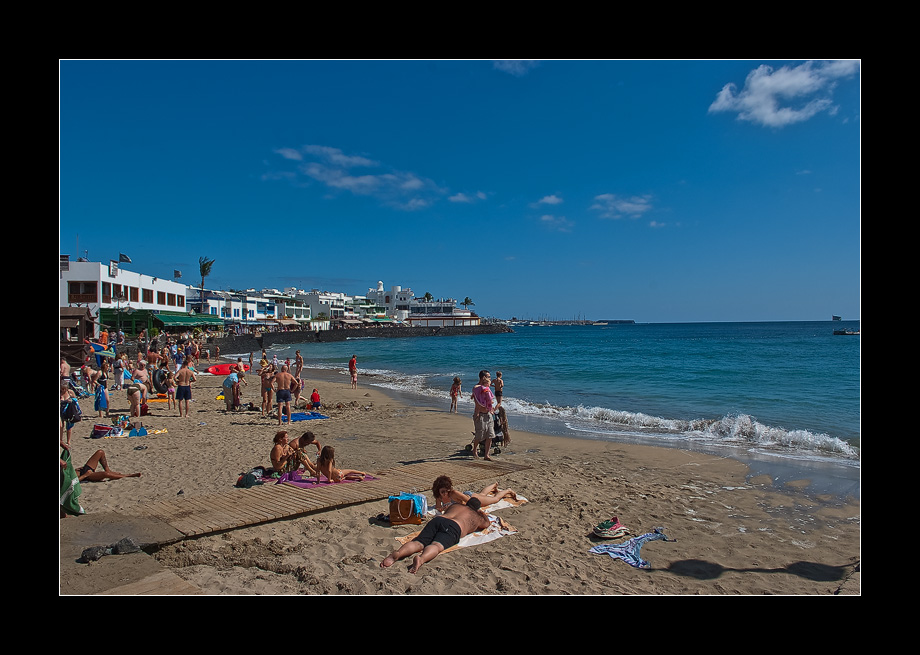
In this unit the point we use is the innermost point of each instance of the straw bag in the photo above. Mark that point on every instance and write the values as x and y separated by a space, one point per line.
404 510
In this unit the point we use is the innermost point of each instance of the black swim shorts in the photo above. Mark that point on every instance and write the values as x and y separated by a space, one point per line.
442 530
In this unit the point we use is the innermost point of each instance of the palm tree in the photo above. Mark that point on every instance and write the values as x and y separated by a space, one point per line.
467 302
428 296
204 267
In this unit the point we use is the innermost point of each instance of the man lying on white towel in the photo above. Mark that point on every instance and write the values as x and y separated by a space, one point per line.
441 533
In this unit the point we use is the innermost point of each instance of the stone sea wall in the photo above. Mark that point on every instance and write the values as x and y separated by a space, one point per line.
248 343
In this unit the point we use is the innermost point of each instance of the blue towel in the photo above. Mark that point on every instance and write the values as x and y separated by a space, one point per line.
420 502
628 551
309 416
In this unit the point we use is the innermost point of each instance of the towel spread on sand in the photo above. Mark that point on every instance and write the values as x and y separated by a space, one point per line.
628 551
497 528
299 480
306 416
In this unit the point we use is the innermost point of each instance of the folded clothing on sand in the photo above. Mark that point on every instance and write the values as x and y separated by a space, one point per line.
628 551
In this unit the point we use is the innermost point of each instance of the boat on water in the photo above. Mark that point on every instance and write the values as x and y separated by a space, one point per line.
847 332
834 317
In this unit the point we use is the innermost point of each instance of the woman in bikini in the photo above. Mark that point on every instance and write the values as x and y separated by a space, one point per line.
445 495
88 472
325 464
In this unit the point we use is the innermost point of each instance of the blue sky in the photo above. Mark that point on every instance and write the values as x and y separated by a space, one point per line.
657 191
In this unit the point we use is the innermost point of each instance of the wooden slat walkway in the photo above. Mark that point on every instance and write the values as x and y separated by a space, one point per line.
238 508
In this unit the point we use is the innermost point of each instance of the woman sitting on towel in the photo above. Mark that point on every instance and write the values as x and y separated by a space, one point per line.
326 466
287 458
445 495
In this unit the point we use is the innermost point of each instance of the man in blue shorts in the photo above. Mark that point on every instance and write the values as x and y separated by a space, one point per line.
284 384
441 533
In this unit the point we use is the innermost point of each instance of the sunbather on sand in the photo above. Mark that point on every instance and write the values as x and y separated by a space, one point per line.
440 533
445 495
325 464
287 456
88 471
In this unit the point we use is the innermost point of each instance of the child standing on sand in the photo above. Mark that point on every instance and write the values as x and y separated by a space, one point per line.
454 394
170 390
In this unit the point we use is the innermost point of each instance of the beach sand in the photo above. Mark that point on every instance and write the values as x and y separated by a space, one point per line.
734 536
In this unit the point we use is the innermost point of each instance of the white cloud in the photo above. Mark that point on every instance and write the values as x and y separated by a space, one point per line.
776 98
616 207
468 198
557 223
516 67
289 153
333 168
550 200
338 158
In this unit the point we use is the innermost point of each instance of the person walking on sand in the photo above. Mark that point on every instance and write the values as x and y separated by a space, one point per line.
298 364
284 384
184 378
440 533
483 421
455 391
353 370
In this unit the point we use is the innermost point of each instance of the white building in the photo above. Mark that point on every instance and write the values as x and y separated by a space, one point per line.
123 299
403 305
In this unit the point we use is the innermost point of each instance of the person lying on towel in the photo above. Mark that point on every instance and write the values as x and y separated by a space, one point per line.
441 533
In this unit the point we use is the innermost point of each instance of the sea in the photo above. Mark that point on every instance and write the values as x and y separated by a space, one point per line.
783 397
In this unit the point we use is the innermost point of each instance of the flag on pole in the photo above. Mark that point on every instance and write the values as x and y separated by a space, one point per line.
122 257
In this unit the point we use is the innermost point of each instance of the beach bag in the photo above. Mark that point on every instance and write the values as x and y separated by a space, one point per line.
71 412
407 509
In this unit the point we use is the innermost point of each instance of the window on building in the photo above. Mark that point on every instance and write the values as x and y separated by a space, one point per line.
78 292
161 297
171 300
214 312
106 292
147 295
134 294
180 302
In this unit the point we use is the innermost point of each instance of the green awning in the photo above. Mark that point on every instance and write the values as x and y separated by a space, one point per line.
179 320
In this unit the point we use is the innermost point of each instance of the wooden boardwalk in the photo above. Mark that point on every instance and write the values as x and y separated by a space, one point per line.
238 508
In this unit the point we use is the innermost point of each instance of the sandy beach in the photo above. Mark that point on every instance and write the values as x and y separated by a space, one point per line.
731 535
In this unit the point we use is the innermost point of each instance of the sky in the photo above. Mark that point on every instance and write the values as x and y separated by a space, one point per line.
657 191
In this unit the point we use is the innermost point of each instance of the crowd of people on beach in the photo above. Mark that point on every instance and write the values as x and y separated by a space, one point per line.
172 363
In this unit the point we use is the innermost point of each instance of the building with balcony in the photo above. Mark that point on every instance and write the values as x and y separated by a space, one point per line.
124 300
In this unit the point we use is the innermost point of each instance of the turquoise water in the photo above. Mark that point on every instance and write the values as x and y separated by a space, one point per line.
789 389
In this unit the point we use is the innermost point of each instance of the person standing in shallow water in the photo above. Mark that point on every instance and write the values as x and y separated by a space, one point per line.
353 370
455 391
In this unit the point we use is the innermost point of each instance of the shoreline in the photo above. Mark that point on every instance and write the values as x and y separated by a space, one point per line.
734 535
819 477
